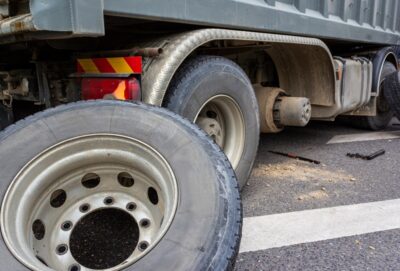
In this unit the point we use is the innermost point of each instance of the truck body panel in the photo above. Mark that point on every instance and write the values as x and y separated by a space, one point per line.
362 21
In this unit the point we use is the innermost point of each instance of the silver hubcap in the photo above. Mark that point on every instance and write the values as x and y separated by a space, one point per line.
221 118
93 202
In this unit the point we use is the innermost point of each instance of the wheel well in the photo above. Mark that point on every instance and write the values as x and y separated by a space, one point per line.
256 63
280 65
304 66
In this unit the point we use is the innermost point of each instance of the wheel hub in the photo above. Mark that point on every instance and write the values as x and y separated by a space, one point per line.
104 232
213 129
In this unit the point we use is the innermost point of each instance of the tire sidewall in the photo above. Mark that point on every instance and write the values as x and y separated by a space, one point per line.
206 188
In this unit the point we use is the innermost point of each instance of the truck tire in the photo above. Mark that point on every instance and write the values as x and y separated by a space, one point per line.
392 92
384 113
216 94
104 184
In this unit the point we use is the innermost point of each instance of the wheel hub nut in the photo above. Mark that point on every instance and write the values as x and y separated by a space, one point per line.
212 127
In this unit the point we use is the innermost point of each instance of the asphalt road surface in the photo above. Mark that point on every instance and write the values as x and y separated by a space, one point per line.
343 214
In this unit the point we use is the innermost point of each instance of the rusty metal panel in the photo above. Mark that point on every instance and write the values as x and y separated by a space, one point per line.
17 24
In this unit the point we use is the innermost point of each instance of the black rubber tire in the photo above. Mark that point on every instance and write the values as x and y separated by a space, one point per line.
382 119
206 229
392 92
203 77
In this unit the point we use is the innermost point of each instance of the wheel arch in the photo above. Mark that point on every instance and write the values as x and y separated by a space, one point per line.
289 54
386 54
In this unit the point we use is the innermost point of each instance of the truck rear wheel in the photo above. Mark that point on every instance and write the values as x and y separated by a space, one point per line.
115 185
392 92
384 113
216 94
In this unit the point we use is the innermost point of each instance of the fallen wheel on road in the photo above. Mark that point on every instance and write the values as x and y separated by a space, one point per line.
114 185
216 94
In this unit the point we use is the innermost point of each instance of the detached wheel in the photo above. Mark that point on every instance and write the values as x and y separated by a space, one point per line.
384 113
216 94
117 186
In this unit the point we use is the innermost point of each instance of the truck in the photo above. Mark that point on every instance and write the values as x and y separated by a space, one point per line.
131 126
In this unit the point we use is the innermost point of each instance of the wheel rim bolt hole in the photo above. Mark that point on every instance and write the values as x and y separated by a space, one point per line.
66 226
90 180
74 267
62 249
84 208
125 179
143 245
108 201
131 206
152 195
58 198
38 229
144 223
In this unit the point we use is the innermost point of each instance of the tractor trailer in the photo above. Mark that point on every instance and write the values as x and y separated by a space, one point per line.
129 127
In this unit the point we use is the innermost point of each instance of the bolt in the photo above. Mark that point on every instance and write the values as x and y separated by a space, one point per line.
131 206
62 249
84 208
66 226
143 246
108 201
144 223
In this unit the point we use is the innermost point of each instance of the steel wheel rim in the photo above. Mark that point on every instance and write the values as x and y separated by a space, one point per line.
229 121
63 167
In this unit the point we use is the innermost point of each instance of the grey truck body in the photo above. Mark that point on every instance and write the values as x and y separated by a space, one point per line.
361 21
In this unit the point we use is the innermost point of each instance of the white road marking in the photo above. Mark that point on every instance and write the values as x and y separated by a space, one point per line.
278 230
364 137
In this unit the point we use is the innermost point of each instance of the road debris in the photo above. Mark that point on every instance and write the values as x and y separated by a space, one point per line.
294 156
313 195
367 157
299 171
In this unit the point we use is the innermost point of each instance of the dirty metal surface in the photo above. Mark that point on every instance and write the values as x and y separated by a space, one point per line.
15 25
